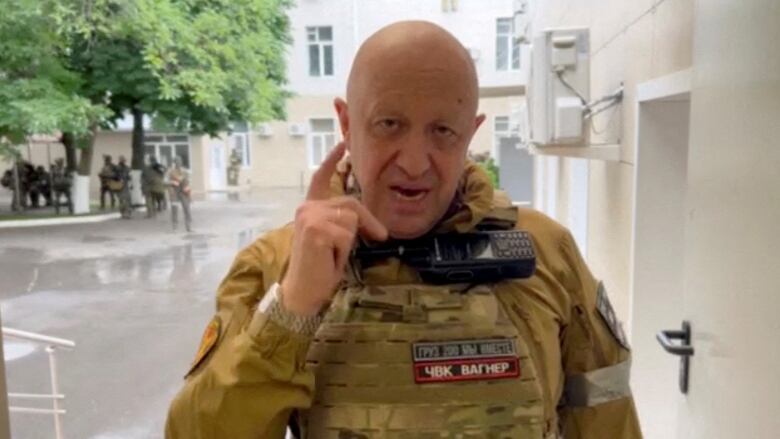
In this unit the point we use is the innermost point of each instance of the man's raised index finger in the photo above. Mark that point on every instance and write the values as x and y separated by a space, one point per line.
320 180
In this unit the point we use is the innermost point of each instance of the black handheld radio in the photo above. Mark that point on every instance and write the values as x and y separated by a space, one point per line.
478 257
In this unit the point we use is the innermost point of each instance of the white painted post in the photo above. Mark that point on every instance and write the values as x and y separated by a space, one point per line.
136 196
80 194
54 391
5 426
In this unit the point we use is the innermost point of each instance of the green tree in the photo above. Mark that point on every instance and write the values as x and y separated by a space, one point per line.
196 64
38 93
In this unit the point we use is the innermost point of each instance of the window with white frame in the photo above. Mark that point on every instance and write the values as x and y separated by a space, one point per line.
164 147
322 139
239 142
501 130
507 48
320 44
449 5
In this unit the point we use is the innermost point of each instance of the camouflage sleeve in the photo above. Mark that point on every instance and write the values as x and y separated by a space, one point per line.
597 401
248 375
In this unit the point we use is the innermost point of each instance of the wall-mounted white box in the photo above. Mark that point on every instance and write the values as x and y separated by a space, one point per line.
568 119
559 82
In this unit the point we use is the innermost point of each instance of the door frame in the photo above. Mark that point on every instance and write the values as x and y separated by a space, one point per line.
673 89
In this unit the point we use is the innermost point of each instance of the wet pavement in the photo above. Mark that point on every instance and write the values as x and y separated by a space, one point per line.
134 296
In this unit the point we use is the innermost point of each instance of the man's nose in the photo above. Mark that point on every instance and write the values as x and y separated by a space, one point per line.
414 156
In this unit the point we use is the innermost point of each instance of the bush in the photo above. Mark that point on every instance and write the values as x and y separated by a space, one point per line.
489 165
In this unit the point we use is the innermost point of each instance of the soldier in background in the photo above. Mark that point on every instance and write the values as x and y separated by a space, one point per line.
123 192
146 187
61 184
107 175
234 168
31 182
44 184
179 181
15 180
158 184
153 186
9 182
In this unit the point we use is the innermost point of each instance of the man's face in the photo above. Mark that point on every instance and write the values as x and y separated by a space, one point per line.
408 133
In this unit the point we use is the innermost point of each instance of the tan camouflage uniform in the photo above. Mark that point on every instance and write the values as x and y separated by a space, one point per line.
252 373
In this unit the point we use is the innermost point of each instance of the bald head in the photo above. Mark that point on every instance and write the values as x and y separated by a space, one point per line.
401 50
409 117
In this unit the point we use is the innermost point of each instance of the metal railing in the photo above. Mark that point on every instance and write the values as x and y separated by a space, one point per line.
51 343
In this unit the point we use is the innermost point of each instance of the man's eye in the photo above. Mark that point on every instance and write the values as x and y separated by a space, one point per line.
388 124
444 131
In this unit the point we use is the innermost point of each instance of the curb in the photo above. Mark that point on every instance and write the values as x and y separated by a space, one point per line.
86 219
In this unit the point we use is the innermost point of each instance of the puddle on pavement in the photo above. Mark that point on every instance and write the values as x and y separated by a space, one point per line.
13 350
25 270
96 239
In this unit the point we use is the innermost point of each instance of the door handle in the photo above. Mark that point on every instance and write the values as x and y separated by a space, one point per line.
684 349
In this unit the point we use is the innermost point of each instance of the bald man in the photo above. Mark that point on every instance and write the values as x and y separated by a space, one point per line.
306 336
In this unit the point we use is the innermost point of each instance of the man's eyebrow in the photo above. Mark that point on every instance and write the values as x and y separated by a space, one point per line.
383 109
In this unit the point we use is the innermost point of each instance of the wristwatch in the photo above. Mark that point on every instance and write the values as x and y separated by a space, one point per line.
271 306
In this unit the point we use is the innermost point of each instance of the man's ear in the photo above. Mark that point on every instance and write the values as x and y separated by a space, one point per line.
479 120
343 114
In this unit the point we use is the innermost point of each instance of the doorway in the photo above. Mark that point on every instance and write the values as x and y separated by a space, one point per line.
657 269
218 169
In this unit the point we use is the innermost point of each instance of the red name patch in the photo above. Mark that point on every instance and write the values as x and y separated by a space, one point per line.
461 370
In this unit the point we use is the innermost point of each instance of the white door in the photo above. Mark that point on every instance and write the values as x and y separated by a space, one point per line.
732 230
218 169
729 243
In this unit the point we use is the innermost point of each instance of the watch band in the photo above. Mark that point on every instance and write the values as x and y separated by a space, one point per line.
272 306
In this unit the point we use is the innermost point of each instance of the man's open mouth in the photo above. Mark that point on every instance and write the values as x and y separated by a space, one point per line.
409 194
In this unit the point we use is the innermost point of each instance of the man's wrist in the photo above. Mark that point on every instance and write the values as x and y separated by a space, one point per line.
302 310
272 305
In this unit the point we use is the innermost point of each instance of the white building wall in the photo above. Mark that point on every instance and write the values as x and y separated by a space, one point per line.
631 42
335 13
473 23
281 159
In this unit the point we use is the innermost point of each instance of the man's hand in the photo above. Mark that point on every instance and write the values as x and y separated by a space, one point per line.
325 230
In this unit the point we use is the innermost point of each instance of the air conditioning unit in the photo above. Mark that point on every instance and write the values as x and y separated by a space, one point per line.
265 130
559 87
297 129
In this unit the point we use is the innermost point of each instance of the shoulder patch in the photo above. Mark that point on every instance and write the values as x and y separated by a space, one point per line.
207 342
610 318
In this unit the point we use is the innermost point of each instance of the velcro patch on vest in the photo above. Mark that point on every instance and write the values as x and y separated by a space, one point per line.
610 318
465 360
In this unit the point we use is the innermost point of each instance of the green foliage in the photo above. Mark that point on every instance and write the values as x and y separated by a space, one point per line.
215 61
196 65
492 170
38 93
488 165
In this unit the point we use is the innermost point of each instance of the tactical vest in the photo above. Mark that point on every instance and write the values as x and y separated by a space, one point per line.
420 361
408 360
